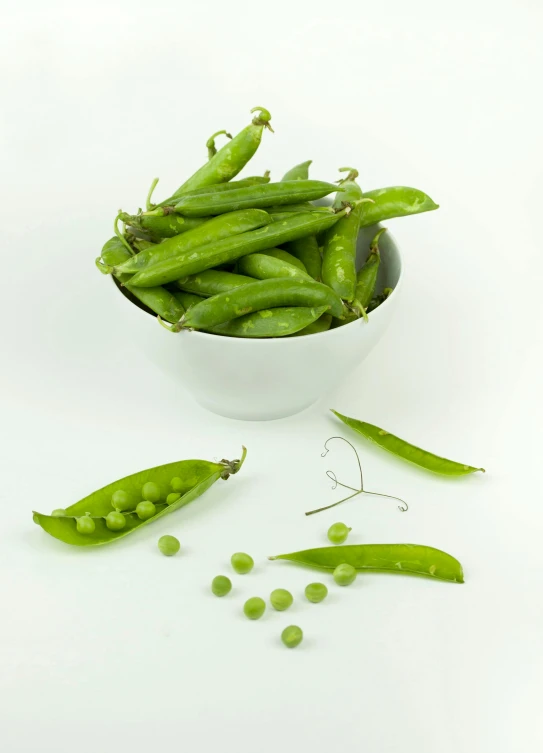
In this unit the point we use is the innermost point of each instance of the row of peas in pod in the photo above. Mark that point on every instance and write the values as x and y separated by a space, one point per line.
280 598
254 257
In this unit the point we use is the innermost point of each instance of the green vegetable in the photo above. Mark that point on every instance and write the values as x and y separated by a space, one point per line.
394 558
277 322
230 249
298 172
145 510
292 636
396 201
338 532
254 608
260 196
319 325
168 545
178 485
121 500
58 513
316 592
198 475
265 267
233 156
344 574
212 149
242 563
115 521
280 253
158 228
221 585
172 497
85 525
407 451
308 252
257 296
281 599
212 282
150 491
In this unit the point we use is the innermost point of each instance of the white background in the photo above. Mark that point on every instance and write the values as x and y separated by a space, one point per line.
123 649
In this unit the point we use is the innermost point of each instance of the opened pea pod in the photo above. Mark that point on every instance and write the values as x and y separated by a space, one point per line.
107 515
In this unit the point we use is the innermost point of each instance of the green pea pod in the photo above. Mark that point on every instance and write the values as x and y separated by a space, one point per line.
407 451
396 201
197 476
265 195
320 325
231 249
308 252
280 253
157 299
187 300
264 267
253 180
161 227
225 226
276 322
367 276
407 559
339 249
233 156
212 282
298 172
264 294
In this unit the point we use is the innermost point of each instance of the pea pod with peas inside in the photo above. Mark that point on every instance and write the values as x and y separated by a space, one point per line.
407 451
166 226
260 295
165 207
407 559
195 476
280 253
266 195
298 172
233 156
234 248
212 282
366 279
305 249
265 267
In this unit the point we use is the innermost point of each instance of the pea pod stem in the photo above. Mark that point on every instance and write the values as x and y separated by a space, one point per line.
210 143
148 204
119 235
263 119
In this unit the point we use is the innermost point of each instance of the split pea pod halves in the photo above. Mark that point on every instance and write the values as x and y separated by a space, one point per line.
264 195
233 156
231 249
264 294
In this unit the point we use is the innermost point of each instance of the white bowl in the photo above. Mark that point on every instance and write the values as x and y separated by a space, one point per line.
259 380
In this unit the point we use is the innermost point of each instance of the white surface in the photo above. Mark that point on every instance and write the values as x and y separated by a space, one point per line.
261 380
122 649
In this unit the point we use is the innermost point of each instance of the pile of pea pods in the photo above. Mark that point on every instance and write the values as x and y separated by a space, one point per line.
253 257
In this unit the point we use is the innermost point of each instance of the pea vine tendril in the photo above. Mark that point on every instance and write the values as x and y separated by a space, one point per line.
403 507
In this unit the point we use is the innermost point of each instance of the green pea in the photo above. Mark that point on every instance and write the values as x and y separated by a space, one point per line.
169 545
173 497
242 563
281 599
254 608
221 585
85 524
177 484
115 521
338 532
58 513
316 592
344 574
150 492
145 510
121 500
292 636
